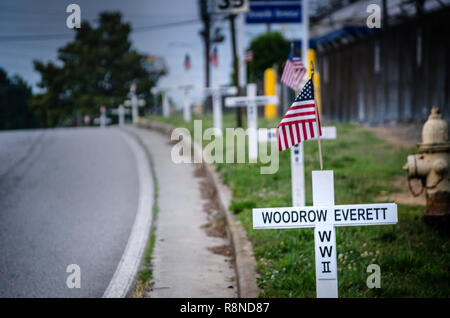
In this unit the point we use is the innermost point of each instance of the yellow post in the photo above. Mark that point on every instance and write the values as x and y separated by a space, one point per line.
316 79
270 81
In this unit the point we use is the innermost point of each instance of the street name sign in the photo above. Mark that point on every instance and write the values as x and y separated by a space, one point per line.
285 11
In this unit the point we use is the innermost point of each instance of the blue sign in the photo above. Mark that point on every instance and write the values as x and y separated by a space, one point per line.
274 12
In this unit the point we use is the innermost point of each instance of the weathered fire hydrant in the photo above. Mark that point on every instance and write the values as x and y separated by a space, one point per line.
432 167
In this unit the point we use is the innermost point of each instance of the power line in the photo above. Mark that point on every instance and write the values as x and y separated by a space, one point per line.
13 38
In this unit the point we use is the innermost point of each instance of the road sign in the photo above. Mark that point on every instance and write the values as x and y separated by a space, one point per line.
286 11
230 6
324 216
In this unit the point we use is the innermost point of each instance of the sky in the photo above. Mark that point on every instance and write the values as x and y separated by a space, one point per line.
48 17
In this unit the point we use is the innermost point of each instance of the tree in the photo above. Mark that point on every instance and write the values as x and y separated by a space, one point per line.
269 50
95 69
14 97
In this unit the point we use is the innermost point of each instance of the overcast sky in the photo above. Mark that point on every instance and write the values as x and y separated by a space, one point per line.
45 17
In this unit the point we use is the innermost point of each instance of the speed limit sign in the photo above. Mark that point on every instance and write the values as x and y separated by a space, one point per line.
231 6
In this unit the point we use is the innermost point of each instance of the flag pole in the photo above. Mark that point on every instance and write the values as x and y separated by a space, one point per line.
317 122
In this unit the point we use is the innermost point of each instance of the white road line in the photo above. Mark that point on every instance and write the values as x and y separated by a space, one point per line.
128 266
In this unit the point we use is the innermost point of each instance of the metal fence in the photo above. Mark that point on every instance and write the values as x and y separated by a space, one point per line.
394 75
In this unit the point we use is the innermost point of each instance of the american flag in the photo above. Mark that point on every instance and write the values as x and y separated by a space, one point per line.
133 88
187 62
293 72
248 56
213 58
300 122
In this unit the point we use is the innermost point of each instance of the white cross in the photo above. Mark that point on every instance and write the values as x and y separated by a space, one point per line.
297 160
252 102
217 93
324 216
134 103
165 99
298 167
120 111
186 104
102 121
102 116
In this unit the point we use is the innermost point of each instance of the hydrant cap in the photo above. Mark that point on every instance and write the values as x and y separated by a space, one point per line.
435 130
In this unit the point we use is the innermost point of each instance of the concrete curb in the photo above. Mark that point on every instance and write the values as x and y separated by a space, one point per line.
243 249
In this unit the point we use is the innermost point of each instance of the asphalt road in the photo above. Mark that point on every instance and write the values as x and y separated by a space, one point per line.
67 196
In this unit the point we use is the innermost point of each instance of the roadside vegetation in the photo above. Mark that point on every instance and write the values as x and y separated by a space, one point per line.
413 260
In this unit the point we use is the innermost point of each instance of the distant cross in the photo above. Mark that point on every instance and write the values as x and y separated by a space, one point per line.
298 167
186 102
120 111
217 93
252 102
134 102
165 99
102 116
324 216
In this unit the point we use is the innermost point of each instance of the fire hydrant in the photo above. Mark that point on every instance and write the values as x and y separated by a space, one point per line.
432 167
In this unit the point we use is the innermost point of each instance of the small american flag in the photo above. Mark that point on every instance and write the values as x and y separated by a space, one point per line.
213 58
187 62
293 72
248 56
300 122
133 88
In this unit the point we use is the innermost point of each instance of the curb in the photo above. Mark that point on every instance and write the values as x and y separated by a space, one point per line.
123 280
243 249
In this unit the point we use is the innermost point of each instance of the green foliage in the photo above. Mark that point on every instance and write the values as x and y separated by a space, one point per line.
237 207
413 259
14 98
269 50
95 69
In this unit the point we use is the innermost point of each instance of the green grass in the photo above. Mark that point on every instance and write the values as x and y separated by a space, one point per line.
145 274
413 260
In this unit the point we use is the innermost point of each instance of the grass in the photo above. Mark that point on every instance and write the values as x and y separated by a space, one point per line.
145 274
413 260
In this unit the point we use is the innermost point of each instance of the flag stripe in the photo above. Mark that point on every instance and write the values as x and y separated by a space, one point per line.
301 121
297 119
299 114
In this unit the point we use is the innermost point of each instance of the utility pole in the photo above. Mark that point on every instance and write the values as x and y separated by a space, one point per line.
232 18
385 14
206 18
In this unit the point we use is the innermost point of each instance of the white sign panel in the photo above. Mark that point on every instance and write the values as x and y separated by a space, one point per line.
338 215
231 6
223 90
243 101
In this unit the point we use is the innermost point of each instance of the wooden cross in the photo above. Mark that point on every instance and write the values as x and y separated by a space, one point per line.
186 102
297 160
187 116
298 167
217 93
134 103
120 111
251 101
165 99
102 116
324 216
